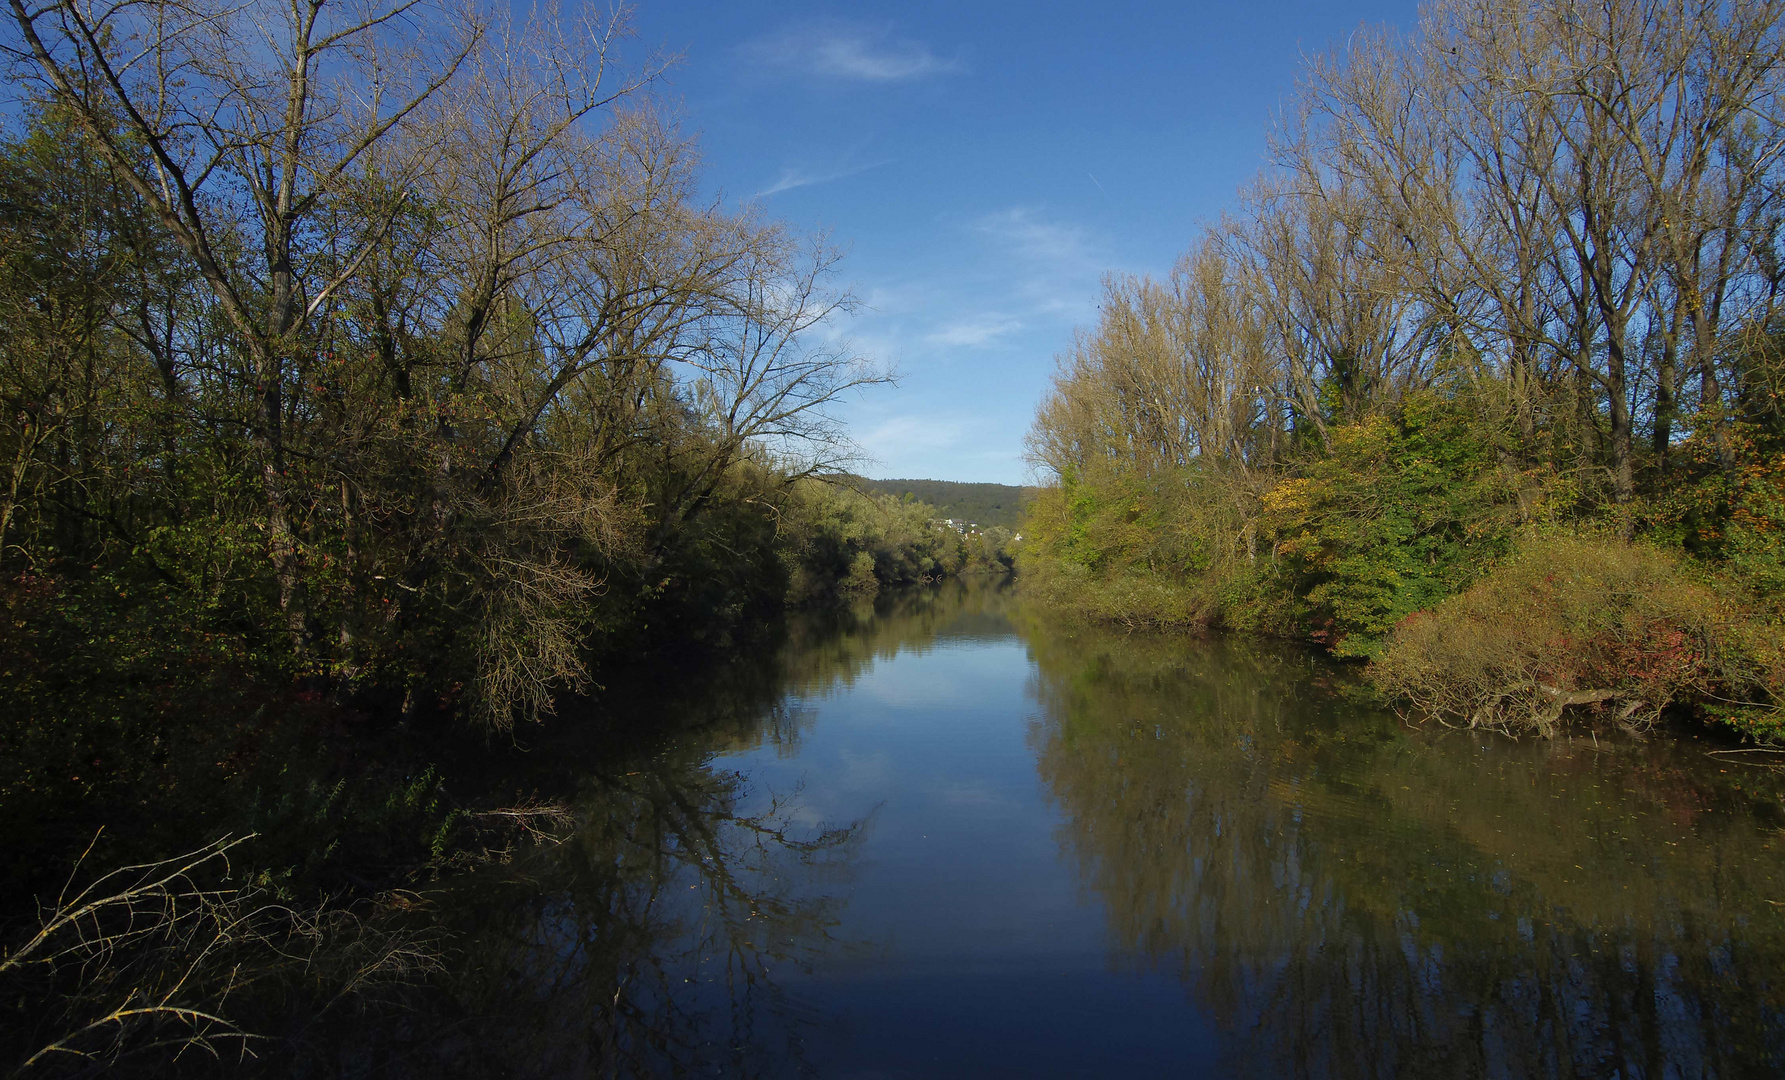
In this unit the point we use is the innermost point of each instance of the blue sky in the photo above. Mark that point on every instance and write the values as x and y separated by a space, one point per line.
983 164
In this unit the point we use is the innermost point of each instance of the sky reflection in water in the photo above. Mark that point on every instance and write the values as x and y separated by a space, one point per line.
1074 853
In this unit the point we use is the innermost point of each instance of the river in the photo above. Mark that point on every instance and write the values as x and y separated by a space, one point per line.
946 835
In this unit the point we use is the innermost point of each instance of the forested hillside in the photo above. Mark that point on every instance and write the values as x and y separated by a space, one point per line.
986 504
1481 378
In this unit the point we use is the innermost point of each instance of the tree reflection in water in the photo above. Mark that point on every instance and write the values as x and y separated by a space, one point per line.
648 942
1351 898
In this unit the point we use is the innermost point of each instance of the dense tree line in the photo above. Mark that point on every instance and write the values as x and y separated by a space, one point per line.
1518 270
397 340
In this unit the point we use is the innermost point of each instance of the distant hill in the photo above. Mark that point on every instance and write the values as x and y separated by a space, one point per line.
984 504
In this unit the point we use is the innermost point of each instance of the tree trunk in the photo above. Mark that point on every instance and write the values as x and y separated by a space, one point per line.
1666 400
282 543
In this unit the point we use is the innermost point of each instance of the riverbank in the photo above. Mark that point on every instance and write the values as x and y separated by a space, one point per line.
783 856
1473 601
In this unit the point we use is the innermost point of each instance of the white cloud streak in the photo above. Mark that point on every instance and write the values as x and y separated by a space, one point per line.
973 333
799 178
1055 266
848 51
1024 230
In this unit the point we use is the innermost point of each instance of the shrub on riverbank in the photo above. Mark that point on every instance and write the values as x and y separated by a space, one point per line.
1137 601
1623 629
1167 549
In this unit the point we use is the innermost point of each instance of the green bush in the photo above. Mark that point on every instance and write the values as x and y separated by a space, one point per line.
860 578
1398 515
1131 599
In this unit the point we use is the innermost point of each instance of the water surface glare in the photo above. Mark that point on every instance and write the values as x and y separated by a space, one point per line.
948 837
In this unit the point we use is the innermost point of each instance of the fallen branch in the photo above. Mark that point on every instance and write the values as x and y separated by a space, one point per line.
148 958
1568 698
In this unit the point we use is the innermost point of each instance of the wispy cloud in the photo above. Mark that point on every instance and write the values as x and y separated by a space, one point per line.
1025 230
972 333
901 435
1055 265
848 51
799 178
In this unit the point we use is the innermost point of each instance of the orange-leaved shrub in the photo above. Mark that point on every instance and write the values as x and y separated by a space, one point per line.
1574 622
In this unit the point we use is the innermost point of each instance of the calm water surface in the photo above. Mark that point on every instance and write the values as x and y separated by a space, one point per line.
945 836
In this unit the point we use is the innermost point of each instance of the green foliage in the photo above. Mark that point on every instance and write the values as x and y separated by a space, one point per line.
1375 545
124 715
860 578
103 677
1397 516
1733 518
833 538
1140 550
